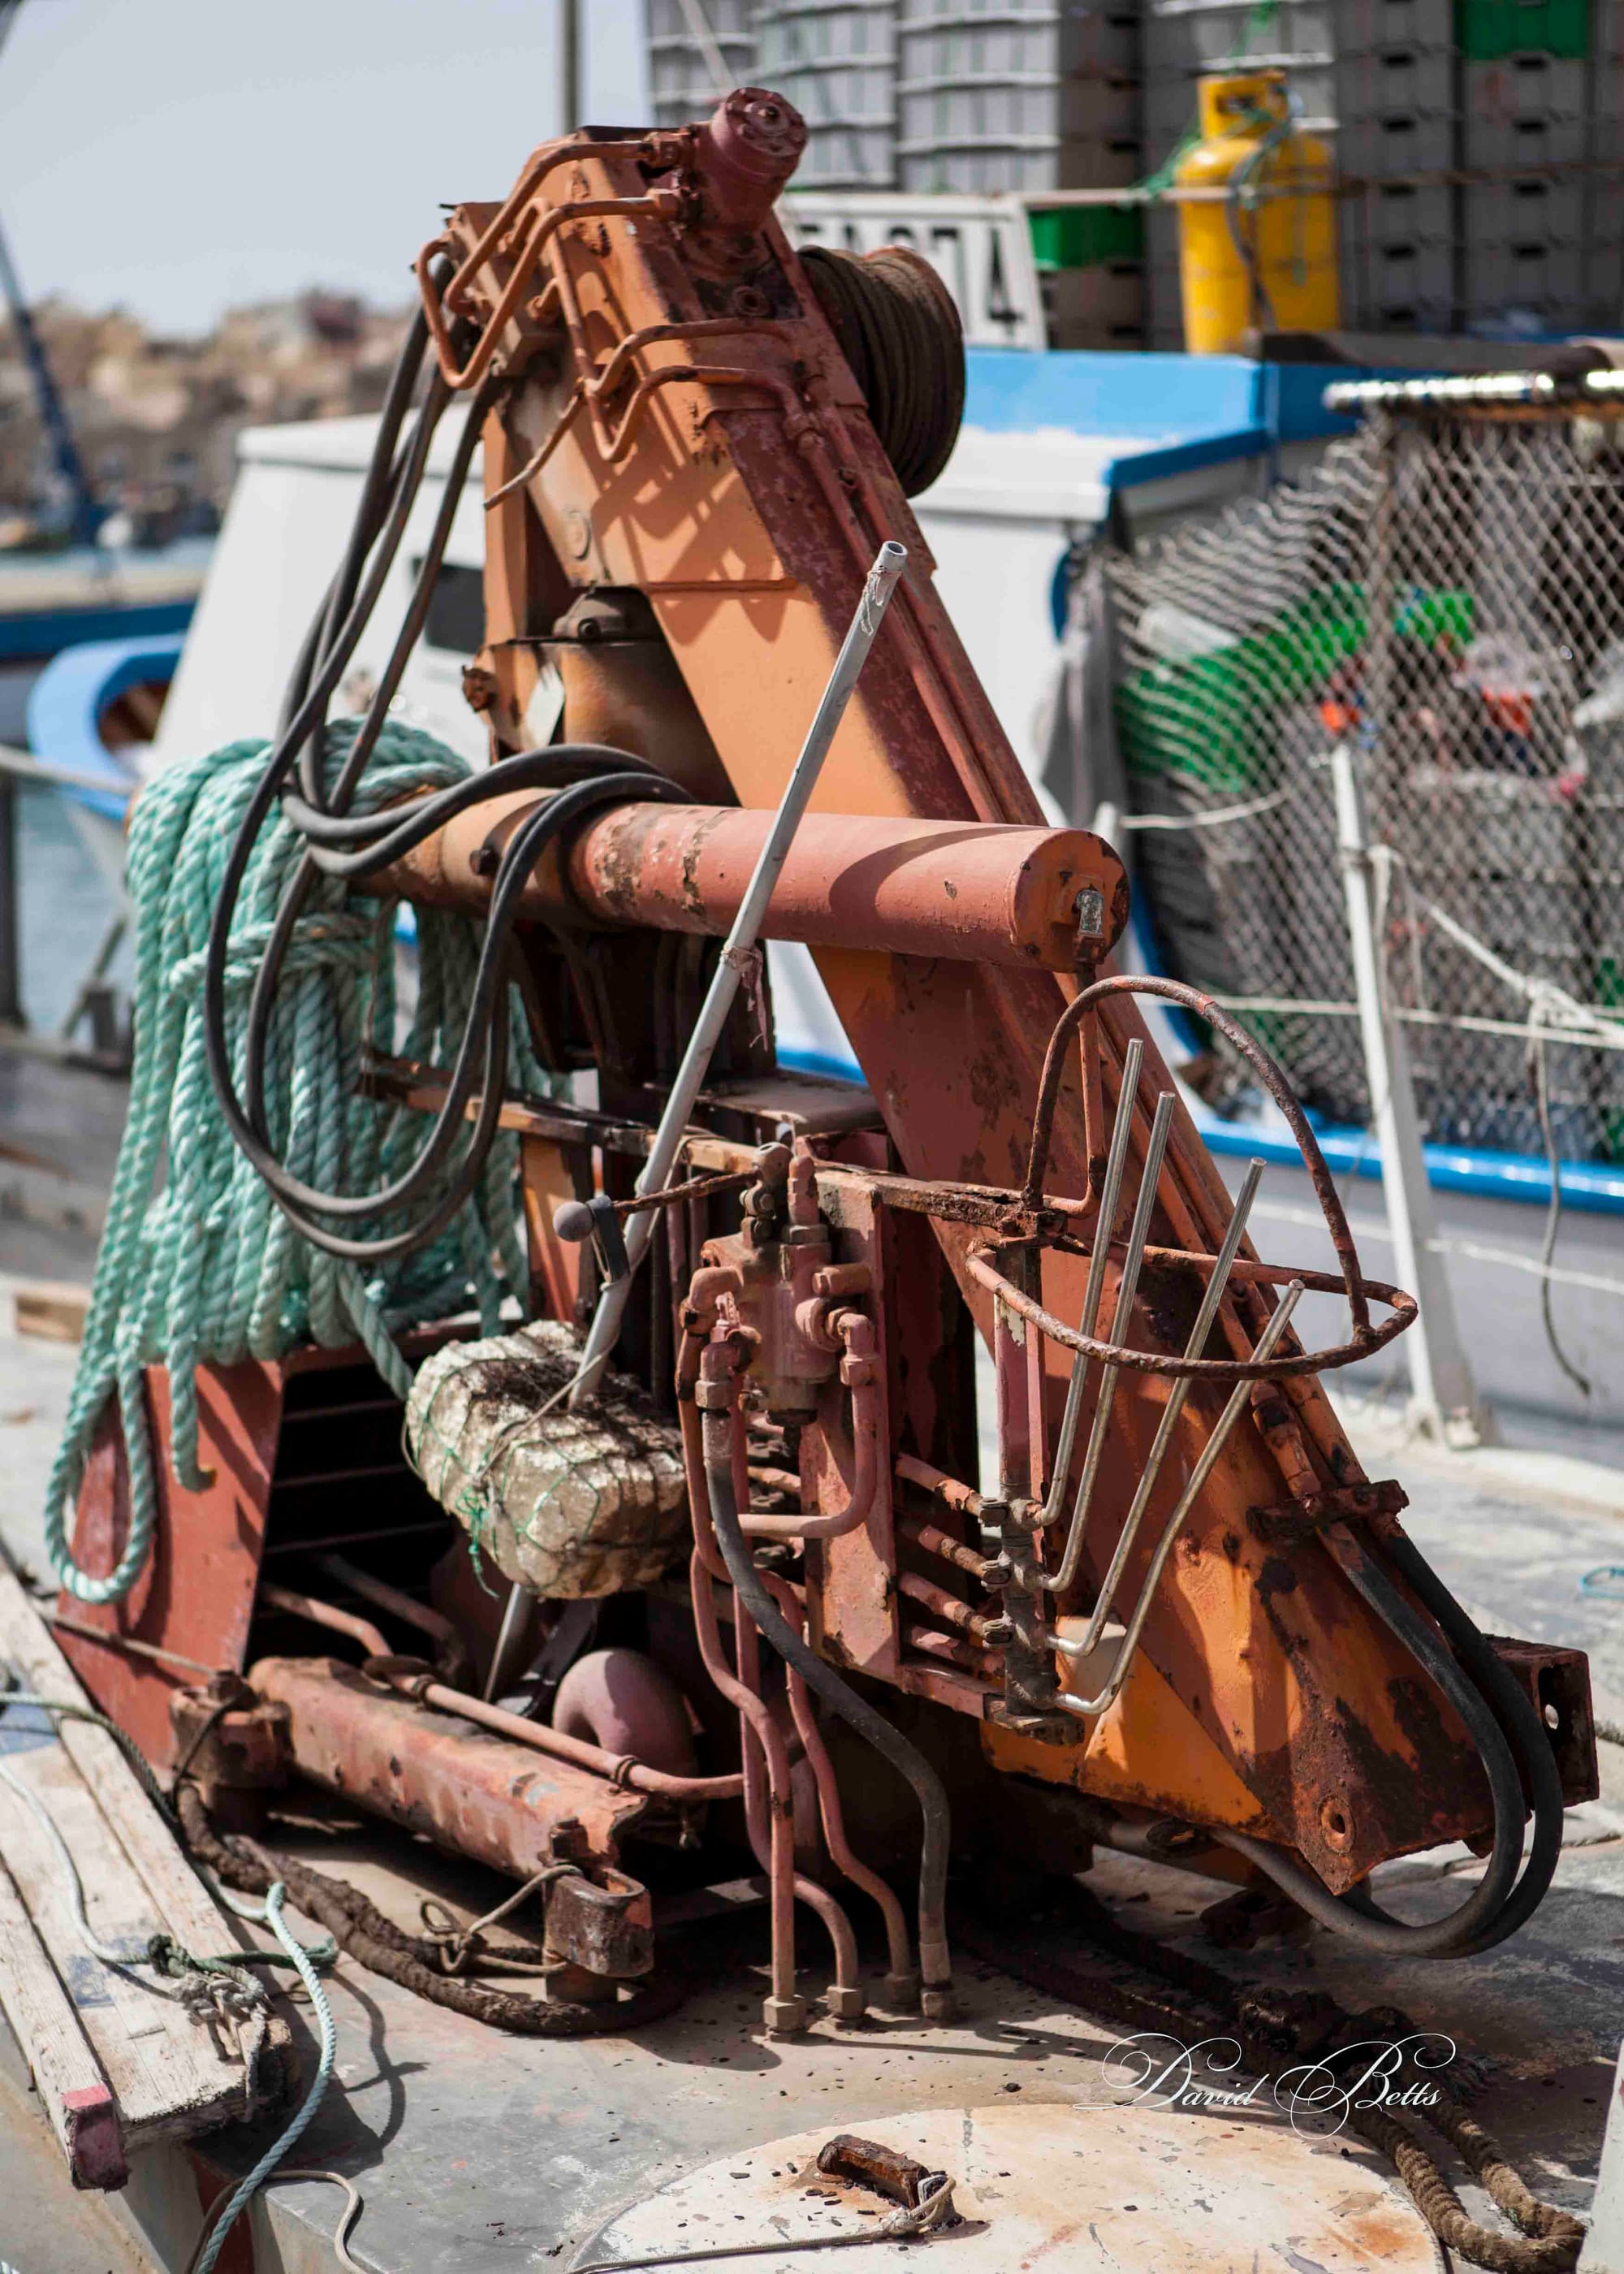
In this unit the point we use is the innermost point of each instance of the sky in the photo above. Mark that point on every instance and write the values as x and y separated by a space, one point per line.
179 157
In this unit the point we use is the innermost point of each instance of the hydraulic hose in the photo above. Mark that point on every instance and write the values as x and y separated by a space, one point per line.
377 487
343 846
486 1032
1493 1910
935 1965
1522 1723
553 767
371 726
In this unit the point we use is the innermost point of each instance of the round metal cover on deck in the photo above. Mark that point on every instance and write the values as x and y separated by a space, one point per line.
1097 2190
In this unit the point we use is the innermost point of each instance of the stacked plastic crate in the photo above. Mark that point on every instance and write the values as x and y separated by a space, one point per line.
681 79
1184 38
1027 96
836 60
1395 98
1538 110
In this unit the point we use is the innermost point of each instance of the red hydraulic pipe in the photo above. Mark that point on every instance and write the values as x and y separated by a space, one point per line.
978 891
451 1654
636 1776
903 1982
324 1615
773 1843
858 1369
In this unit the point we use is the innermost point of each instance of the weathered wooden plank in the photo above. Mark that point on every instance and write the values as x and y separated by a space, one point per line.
77 2097
51 1310
165 2069
187 1909
170 2076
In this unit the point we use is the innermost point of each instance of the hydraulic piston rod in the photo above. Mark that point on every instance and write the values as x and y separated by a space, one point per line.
986 891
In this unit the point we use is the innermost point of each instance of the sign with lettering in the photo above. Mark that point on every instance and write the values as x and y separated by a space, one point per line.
980 247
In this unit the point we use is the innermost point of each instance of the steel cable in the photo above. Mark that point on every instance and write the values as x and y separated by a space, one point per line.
899 330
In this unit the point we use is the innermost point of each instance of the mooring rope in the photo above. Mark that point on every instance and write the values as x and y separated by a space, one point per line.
197 1263
250 2186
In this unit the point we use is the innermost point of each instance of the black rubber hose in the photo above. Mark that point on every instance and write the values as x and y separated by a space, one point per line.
301 737
383 473
1477 1923
397 830
387 499
1520 1720
418 608
307 717
303 877
301 1202
553 767
936 1969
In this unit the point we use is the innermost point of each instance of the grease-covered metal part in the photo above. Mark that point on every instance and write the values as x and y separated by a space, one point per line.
473 1793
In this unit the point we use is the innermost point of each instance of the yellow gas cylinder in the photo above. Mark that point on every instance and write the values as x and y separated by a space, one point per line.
1262 255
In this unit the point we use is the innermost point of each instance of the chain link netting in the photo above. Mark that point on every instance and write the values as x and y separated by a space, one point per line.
1445 595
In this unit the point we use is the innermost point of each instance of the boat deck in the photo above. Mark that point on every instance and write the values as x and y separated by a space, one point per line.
478 2153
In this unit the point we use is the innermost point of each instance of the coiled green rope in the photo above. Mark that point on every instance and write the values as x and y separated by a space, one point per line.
197 1263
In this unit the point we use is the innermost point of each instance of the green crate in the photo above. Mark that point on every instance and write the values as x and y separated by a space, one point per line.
1086 237
1491 30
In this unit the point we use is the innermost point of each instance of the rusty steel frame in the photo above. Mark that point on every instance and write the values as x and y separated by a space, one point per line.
748 515
1253 1687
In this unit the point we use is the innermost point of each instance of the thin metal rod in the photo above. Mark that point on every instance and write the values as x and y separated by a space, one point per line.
517 1596
1210 1452
1217 1280
1122 1321
1443 1393
889 563
11 1012
22 766
1104 1230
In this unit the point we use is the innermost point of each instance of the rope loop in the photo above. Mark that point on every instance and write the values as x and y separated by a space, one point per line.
198 1265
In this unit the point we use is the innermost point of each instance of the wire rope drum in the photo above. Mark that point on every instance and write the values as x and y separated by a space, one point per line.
900 331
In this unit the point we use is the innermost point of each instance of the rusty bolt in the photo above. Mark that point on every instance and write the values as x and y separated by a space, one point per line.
784 2017
1090 907
834 1281
899 1993
845 2005
479 687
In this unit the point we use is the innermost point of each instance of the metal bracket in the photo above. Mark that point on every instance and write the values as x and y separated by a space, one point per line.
1363 1503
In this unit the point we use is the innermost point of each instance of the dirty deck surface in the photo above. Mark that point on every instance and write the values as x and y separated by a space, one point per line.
478 2153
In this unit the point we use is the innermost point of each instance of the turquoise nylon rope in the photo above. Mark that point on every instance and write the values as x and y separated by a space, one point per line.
255 2179
196 1263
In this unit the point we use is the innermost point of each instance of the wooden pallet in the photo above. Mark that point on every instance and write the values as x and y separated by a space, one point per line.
117 2059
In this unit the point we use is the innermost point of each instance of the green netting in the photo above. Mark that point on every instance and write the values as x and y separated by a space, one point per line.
1210 720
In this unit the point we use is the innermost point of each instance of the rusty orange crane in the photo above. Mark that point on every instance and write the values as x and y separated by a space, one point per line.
1183 1622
